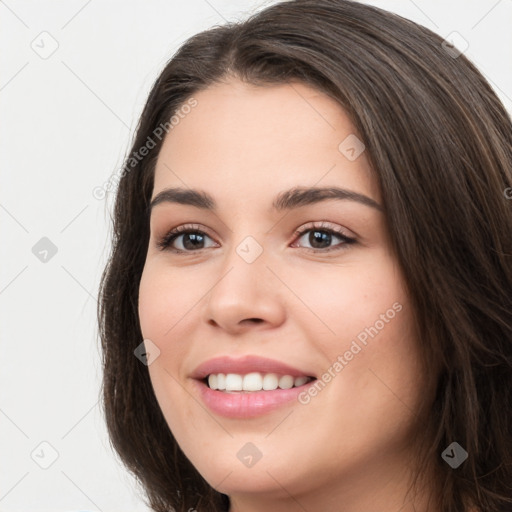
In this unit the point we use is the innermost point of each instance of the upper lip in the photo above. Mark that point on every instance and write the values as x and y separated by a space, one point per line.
244 365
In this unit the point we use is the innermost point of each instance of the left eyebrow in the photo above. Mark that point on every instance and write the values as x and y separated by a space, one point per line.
287 200
302 196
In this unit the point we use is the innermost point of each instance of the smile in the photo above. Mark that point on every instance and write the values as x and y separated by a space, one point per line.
248 386
255 381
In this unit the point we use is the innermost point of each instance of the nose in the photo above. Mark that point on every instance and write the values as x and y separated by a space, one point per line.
247 295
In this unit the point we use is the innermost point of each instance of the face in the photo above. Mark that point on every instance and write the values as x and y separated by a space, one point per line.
311 283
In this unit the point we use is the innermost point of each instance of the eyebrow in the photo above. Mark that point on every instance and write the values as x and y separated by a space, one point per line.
287 200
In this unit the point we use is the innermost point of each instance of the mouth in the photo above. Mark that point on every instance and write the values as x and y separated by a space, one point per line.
249 386
254 382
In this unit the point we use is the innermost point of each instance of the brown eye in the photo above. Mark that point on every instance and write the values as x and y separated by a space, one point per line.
321 238
190 239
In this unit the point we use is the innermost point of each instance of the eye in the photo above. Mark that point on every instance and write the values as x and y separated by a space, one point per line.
321 236
192 239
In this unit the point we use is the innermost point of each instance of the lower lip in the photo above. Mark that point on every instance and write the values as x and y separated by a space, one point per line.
250 404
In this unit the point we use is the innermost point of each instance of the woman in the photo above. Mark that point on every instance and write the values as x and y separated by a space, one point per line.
307 304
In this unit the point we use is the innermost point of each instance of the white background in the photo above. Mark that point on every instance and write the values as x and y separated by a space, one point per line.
66 123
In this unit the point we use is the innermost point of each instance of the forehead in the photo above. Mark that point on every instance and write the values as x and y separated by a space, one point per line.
242 140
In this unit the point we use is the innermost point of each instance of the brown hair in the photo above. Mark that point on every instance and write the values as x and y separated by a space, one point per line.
440 144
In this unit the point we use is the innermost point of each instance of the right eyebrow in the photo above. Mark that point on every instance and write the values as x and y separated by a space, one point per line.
191 197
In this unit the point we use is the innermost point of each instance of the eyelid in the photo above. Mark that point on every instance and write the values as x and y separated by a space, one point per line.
327 226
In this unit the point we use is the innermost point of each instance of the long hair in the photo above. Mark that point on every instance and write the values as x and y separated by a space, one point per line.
439 143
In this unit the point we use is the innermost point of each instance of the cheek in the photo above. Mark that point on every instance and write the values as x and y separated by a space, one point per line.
341 301
360 319
165 298
159 310
166 313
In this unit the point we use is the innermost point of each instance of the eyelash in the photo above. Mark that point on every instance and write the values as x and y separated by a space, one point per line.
165 242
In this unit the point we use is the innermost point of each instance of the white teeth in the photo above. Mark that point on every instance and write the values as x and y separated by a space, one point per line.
234 382
254 381
300 380
286 382
221 381
270 382
212 381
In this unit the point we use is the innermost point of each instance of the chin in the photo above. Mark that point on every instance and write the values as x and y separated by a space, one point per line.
226 470
247 481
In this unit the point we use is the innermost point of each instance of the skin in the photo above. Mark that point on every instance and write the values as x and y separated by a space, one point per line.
350 448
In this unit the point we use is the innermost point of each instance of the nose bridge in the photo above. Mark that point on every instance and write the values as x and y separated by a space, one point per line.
244 267
250 249
248 246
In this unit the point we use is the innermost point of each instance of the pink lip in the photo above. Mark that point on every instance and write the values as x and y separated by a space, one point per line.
244 365
246 404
